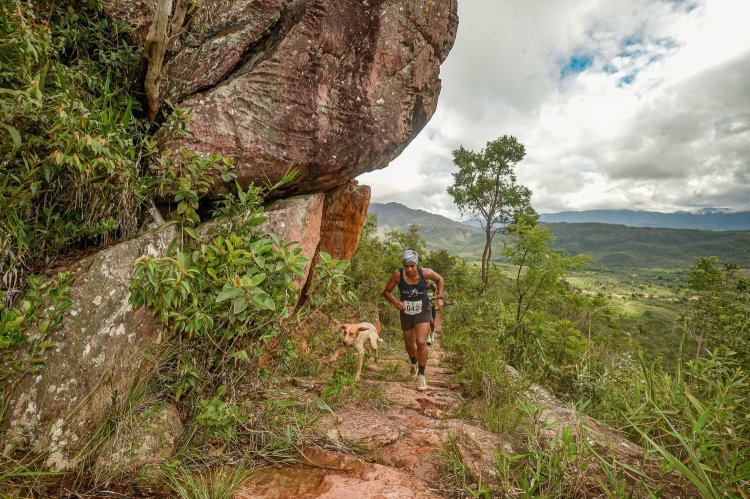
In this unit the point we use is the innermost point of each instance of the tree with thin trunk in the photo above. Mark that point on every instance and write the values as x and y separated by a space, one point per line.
485 189
540 267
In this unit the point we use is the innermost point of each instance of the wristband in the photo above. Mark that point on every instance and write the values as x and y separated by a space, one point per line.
438 297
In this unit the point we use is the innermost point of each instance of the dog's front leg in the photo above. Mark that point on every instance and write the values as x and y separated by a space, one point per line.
336 354
360 358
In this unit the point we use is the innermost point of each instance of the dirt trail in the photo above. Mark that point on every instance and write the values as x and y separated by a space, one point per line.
386 448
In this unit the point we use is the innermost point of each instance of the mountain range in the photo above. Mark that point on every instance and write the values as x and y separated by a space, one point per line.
708 219
610 245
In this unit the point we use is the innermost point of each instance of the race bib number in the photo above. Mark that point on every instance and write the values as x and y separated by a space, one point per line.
413 307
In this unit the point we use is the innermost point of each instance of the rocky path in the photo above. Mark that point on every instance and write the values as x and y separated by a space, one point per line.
389 448
394 444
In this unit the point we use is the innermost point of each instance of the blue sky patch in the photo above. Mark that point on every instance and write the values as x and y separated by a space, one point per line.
685 5
626 80
577 64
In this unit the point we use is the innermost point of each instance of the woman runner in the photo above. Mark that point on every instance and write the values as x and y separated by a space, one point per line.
414 309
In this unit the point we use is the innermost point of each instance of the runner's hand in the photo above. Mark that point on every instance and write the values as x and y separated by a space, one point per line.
438 303
400 306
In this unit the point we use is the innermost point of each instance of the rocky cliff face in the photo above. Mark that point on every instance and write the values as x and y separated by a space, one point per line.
105 345
332 88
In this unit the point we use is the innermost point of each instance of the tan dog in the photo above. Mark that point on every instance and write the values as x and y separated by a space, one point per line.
360 336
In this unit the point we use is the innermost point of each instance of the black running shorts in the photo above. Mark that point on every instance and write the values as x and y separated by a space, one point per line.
408 321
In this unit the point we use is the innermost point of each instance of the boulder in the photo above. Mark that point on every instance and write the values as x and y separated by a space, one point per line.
478 449
140 444
344 214
97 355
298 220
331 88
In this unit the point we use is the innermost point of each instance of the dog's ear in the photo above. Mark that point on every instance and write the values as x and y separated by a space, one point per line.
364 327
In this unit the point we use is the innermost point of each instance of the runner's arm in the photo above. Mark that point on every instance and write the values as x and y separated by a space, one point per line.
387 291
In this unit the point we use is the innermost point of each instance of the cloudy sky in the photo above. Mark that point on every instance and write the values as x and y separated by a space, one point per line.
621 104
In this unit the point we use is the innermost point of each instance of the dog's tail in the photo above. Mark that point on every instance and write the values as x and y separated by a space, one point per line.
379 329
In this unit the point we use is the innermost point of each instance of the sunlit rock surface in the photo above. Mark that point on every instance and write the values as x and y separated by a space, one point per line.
331 88
344 214
97 354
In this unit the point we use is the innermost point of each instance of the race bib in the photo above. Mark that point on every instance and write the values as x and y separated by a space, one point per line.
413 307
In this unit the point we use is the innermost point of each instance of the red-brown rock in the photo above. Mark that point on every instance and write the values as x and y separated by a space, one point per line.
346 477
344 216
297 220
329 88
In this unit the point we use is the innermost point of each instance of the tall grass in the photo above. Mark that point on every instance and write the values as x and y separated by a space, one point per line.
697 421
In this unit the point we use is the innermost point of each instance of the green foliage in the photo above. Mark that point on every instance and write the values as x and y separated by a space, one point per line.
409 239
719 307
539 268
28 324
229 293
71 148
187 179
697 421
218 419
329 284
441 261
485 189
371 264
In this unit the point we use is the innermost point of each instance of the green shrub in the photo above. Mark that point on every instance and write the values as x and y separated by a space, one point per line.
697 421
70 169
225 296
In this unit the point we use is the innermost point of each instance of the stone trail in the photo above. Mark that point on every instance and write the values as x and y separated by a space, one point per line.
389 449
392 447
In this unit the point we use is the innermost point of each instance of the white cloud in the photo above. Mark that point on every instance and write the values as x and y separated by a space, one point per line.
621 104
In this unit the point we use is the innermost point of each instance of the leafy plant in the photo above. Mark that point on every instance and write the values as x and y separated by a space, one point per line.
29 323
719 307
69 173
188 177
235 287
218 419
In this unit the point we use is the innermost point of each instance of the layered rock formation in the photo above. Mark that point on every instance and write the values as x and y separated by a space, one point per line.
331 88
103 343
344 215
97 356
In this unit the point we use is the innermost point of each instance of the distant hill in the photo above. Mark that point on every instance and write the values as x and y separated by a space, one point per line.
620 246
438 231
609 245
706 220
